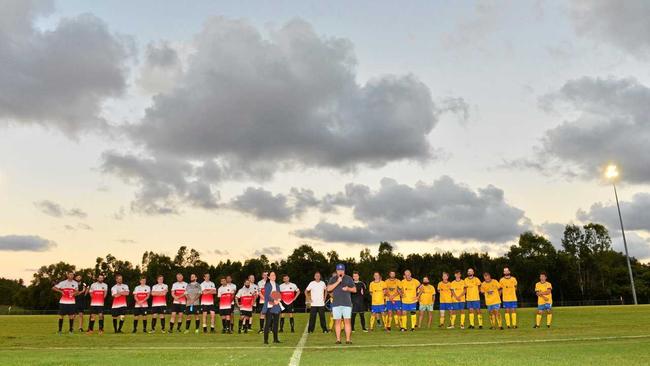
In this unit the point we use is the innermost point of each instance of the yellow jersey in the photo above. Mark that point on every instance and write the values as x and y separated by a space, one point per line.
444 289
472 285
458 287
542 287
410 291
426 294
377 292
491 292
392 287
509 289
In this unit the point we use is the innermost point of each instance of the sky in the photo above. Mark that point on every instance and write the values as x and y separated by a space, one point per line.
241 128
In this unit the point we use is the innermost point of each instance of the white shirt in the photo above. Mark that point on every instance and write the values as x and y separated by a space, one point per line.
140 292
226 297
260 289
317 292
178 288
159 300
119 301
232 286
98 293
207 299
288 291
68 287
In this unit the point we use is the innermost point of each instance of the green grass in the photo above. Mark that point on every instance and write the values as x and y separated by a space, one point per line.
579 336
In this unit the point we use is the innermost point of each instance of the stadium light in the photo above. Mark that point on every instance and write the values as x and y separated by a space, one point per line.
611 173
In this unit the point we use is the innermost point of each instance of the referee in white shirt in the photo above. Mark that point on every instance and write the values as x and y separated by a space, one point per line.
317 289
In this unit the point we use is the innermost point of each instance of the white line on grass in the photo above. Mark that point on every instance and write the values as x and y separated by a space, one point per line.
297 352
330 347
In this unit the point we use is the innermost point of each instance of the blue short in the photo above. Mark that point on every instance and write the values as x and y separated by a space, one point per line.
393 306
342 312
375 309
446 306
544 307
509 304
494 307
428 307
474 304
410 307
458 306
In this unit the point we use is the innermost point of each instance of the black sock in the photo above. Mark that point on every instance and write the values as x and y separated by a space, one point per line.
223 324
178 325
115 324
101 324
261 324
240 324
91 324
71 323
60 324
162 323
154 320
187 324
121 324
291 322
144 325
197 323
282 324
135 324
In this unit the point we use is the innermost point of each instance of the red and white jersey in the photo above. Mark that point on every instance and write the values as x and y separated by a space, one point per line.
288 292
68 287
178 289
246 296
226 297
207 299
140 293
98 293
233 287
260 286
119 301
159 300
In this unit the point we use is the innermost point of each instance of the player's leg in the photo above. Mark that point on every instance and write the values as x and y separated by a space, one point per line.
80 316
362 318
136 317
101 322
452 317
430 315
172 318
513 316
213 316
498 316
291 320
463 313
471 317
347 314
549 317
204 315
538 316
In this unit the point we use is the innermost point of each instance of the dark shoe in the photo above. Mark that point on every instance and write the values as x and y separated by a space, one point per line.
348 342
338 342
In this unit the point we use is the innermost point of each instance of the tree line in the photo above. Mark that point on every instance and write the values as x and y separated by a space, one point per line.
585 268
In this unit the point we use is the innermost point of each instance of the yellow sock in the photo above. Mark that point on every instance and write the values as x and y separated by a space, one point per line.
452 319
499 322
514 319
414 320
462 319
471 319
389 320
442 320
507 315
331 324
538 319
492 321
403 319
383 320
480 319
397 320
549 319
372 321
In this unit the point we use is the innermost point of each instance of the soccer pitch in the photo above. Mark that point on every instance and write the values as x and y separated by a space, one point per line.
580 335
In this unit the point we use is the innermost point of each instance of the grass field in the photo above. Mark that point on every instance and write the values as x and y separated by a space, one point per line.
580 335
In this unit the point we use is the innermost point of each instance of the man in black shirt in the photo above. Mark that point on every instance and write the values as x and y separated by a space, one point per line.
358 301
80 301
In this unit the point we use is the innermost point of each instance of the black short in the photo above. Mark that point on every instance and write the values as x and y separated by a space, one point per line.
80 307
97 309
140 311
178 308
225 312
260 306
207 308
192 309
247 313
158 309
288 308
115 312
67 309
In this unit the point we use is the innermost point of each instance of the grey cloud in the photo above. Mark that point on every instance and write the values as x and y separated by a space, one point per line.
268 251
442 210
161 68
25 243
637 245
554 232
636 213
281 208
58 78
221 252
79 226
623 24
56 210
126 241
456 105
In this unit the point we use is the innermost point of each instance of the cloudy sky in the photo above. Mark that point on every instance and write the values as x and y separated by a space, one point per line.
246 128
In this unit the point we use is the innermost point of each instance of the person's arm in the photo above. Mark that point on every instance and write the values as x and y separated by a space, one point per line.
332 285
55 288
296 295
350 287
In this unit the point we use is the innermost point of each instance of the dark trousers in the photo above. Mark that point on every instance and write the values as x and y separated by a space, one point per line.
362 318
320 310
271 323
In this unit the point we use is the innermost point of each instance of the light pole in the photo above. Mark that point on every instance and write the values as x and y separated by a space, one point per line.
612 173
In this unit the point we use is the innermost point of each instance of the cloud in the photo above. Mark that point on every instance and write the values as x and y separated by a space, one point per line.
621 24
267 206
441 210
554 232
25 243
220 252
79 226
161 68
638 246
56 210
58 78
126 241
471 31
636 213
268 251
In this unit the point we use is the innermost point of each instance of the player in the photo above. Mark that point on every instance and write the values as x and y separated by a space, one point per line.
409 286
457 300
141 294
119 291
178 304
316 291
394 301
491 289
68 288
253 284
159 303
226 296
473 298
509 292
80 300
543 290
444 289
377 289
245 299
233 287
192 304
208 290
98 291
426 298
289 292
260 285
358 301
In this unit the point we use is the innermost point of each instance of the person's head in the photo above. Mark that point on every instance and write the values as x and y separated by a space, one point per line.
272 276
470 272
193 277
228 279
391 274
100 278
445 276
77 277
407 274
179 277
542 276
425 280
376 276
247 283
355 276
160 279
457 274
265 275
285 278
223 281
506 271
487 277
118 278
317 276
251 278
70 275
340 269
143 280
206 277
